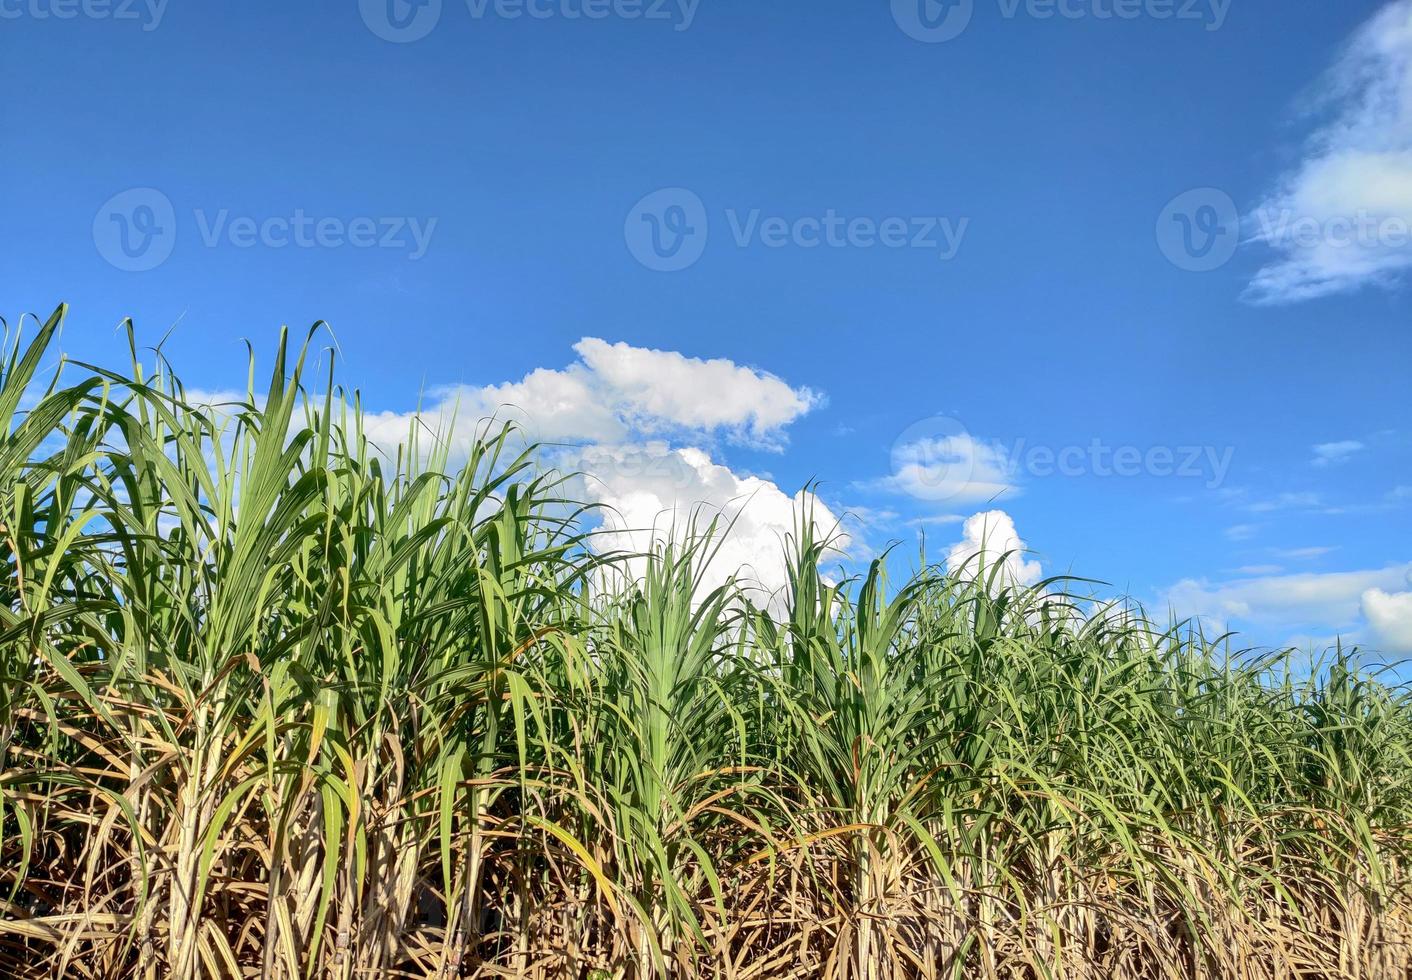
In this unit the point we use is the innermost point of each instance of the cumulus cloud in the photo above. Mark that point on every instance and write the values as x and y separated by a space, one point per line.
1389 616
216 398
449 425
650 493
614 392
656 389
950 466
629 422
1331 600
988 538
1342 218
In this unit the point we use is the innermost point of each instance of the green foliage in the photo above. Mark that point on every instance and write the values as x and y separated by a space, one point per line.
274 705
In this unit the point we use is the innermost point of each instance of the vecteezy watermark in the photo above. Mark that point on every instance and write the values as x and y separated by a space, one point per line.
937 459
942 20
667 230
832 230
1199 230
615 470
933 20
402 21
147 13
1286 229
136 230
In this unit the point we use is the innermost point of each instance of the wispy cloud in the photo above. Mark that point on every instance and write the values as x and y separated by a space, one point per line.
932 520
1331 453
1298 554
1342 218
1284 501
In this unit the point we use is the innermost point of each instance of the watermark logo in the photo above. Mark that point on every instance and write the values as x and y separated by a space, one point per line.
680 13
666 231
1199 230
833 230
933 21
400 21
618 470
937 459
148 13
136 230
1211 14
943 20
1363 230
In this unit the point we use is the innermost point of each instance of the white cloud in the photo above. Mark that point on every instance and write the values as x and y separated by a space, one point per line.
988 537
1284 501
627 416
1315 551
1330 453
932 520
217 398
1241 532
1342 218
871 516
452 425
613 393
1389 618
650 492
569 405
1328 601
657 389
955 467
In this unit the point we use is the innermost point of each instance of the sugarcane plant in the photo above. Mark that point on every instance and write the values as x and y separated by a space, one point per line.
279 699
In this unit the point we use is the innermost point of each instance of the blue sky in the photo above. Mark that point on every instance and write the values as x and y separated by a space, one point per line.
1125 275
